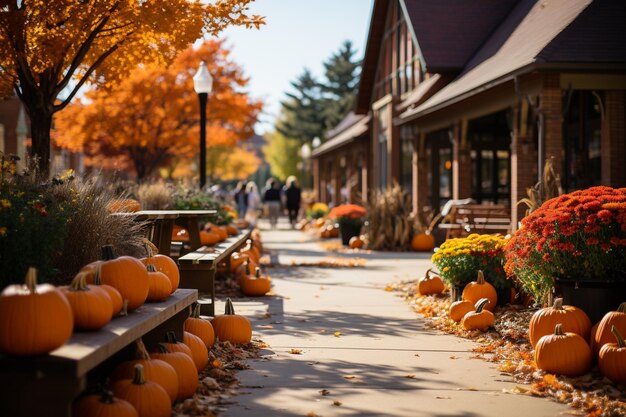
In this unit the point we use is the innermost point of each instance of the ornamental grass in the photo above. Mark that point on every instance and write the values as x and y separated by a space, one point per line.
390 219
579 235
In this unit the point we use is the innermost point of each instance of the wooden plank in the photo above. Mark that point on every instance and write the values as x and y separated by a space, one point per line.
86 350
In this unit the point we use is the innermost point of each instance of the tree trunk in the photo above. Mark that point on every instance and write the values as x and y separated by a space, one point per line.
40 125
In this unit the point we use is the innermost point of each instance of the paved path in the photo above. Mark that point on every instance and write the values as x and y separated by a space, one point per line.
384 362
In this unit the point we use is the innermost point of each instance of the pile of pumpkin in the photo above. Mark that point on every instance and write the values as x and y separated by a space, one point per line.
245 265
148 385
101 291
211 234
564 340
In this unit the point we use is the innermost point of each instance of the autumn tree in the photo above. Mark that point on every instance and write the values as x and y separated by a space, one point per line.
281 153
150 119
44 45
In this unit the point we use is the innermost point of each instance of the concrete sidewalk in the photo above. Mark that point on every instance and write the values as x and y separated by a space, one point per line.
365 347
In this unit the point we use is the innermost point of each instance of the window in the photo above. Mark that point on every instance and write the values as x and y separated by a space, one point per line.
439 171
581 140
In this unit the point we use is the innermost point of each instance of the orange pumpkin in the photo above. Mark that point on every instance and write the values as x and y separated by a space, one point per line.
232 230
155 370
165 264
459 309
237 259
219 231
103 405
429 285
572 318
160 285
232 327
185 369
199 352
612 358
200 327
149 398
116 298
91 305
257 285
478 289
481 319
612 318
563 353
179 234
356 242
423 242
34 319
124 273
174 345
123 205
209 238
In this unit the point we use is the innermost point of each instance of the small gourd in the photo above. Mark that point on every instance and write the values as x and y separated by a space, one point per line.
459 309
429 285
481 319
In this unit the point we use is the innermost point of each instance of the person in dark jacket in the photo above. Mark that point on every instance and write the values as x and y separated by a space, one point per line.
293 196
271 198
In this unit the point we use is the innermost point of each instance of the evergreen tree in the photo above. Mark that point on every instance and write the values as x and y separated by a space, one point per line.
342 75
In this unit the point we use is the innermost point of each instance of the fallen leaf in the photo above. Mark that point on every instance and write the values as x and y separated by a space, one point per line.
337 403
337 334
389 288
443 398
410 376
296 351
216 363
265 326
349 376
262 345
454 357
417 354
323 331
324 392
210 383
467 389
312 414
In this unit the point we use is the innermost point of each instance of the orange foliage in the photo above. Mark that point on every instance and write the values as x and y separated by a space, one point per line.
150 120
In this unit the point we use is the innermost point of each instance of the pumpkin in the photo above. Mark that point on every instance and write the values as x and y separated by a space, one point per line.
165 264
459 309
185 369
116 298
423 242
428 285
245 269
232 230
199 352
200 327
174 345
232 327
219 231
103 405
124 273
572 318
91 305
34 319
160 285
592 338
123 205
612 318
478 289
563 353
179 234
257 285
356 242
251 251
236 260
154 370
209 238
149 398
612 358
481 319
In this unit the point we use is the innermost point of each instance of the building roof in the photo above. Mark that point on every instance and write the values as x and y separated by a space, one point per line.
424 91
348 134
535 34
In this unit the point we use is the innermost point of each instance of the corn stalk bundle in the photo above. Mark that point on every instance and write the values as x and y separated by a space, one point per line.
390 219
544 190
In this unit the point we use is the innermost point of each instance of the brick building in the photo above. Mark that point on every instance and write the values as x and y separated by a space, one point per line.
468 99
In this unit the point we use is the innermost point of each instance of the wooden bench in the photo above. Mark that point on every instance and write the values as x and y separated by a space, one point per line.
198 268
466 219
47 385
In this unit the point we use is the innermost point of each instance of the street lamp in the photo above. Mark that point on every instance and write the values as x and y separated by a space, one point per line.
203 84
305 152
316 142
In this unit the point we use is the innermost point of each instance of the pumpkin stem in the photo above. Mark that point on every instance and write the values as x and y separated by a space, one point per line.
31 279
107 253
196 311
229 310
558 330
79 283
171 337
107 397
481 277
247 268
620 340
151 268
140 350
139 378
427 274
161 348
622 308
257 272
558 304
480 304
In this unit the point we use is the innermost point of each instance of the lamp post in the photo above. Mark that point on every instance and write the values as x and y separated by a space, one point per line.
203 84
305 152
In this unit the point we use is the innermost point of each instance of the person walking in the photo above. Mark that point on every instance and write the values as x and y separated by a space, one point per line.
241 199
293 196
254 201
271 198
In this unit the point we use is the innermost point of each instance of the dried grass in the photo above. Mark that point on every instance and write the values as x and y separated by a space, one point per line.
390 220
549 187
155 196
91 226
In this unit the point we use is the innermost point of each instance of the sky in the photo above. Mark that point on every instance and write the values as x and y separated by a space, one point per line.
298 34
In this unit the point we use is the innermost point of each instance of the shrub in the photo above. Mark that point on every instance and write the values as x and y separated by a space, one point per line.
196 199
155 196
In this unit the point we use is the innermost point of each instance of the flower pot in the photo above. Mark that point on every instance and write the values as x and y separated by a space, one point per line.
348 230
456 292
594 297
